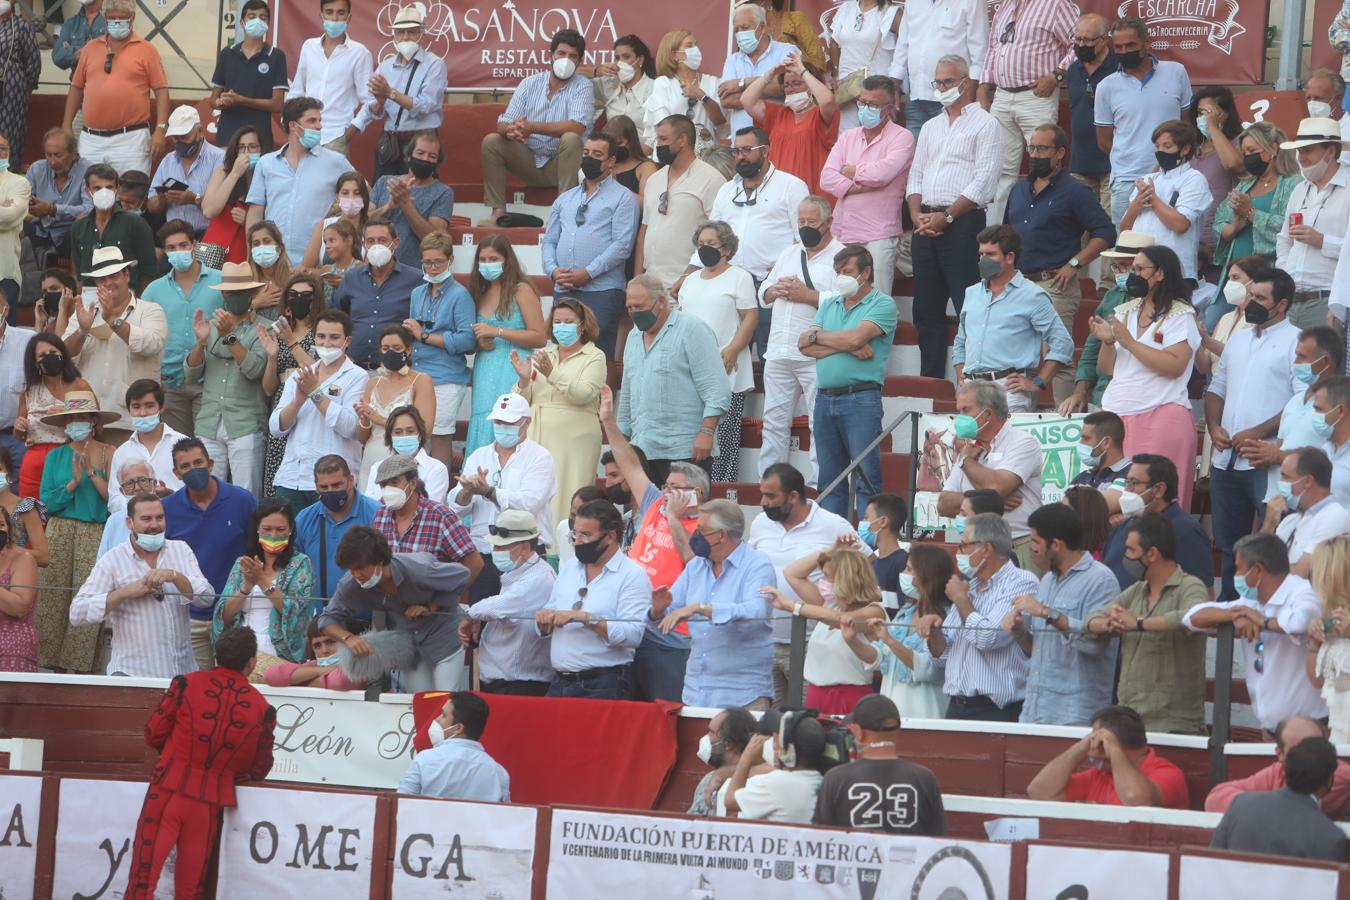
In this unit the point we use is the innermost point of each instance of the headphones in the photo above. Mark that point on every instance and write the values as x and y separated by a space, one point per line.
787 725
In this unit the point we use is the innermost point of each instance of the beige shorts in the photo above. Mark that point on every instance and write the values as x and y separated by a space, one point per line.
449 398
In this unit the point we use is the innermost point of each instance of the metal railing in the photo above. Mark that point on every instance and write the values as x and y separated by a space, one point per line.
853 470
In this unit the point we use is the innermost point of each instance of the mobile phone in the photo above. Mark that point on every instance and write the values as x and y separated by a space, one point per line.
173 184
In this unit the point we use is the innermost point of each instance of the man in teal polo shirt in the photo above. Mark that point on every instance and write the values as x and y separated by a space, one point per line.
849 340
185 289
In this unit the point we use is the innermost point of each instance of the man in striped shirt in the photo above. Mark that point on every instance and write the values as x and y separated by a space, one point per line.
142 588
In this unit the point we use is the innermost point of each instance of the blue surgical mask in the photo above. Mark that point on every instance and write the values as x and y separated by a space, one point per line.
150 542
490 270
1320 426
265 255
503 561
959 524
1244 590
4 164
965 566
255 28
565 333
746 41
1121 279
145 424
79 431
119 29
866 534
181 260
1086 458
1286 489
4 482
907 586
311 138
506 436
1304 373
334 30
405 444
197 479
1202 124
253 158
869 116
435 279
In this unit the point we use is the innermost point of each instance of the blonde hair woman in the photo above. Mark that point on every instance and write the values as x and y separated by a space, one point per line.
836 678
1329 656
679 79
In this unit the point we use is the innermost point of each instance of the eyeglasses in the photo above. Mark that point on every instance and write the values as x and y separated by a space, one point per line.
299 295
1133 483
142 483
1040 150
750 198
742 151
943 83
663 203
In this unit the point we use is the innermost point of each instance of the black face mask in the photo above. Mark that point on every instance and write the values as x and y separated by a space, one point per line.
1167 161
1255 314
393 360
589 554
1085 54
777 513
51 301
618 494
52 364
665 154
299 306
237 303
709 256
1136 286
1254 164
1039 167
590 167
747 169
1132 60
621 154
421 168
811 237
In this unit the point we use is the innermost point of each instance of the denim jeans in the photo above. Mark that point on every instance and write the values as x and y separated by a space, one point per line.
608 308
607 685
658 671
1121 189
919 111
844 425
17 449
1237 500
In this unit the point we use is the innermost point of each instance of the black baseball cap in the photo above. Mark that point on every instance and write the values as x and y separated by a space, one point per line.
875 712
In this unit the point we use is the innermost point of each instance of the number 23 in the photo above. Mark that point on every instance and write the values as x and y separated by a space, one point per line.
867 801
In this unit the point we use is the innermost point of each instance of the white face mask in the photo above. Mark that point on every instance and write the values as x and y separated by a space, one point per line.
406 49
328 355
693 58
1235 292
393 498
798 101
705 749
1319 109
949 96
846 285
104 198
1131 504
435 733
1316 170
564 68
378 255
769 756
626 72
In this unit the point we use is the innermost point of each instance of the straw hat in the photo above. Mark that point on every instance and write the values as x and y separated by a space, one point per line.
106 261
1128 243
236 277
1316 131
410 16
79 403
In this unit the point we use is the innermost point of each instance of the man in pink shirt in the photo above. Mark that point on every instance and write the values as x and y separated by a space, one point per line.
1336 803
867 171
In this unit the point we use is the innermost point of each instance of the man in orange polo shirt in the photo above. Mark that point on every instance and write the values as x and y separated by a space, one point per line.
1122 770
113 82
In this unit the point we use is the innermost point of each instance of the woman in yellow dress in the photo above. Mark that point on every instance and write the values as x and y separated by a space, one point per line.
562 383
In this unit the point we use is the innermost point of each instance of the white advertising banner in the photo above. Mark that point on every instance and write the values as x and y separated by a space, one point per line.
340 742
318 844
95 825
1207 877
468 851
595 854
20 815
1054 872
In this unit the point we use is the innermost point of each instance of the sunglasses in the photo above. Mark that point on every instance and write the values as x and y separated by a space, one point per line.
299 295
663 205
581 593
107 64
508 532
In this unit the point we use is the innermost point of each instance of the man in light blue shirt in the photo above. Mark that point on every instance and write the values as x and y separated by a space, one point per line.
597 611
320 526
757 53
457 767
1071 675
409 90
1005 319
731 652
191 163
589 238
294 186
538 138
58 196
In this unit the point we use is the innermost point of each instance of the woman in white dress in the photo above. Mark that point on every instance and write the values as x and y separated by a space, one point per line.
1329 654
681 88
723 296
862 36
395 384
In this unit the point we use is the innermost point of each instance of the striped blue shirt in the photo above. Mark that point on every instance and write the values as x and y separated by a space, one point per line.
575 100
982 658
426 87
602 243
196 178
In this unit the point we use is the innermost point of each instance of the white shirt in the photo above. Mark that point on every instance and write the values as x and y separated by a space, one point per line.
1187 191
527 481
932 29
1303 531
621 595
780 796
1327 210
1281 689
150 637
341 81
830 660
765 227
12 343
111 364
783 547
160 460
313 433
666 98
869 46
617 99
717 301
1134 387
791 319
435 477
258 617
509 649
1012 450
952 159
1255 379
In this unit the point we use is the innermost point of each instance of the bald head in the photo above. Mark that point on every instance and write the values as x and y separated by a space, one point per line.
1092 25
1293 731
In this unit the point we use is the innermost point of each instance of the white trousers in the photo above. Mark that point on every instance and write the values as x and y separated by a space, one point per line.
446 675
884 252
1020 114
123 152
786 381
238 461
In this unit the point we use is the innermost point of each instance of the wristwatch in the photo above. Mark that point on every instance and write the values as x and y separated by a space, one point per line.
949 217
1139 624
230 339
1059 74
741 84
1038 381
117 322
1053 616
593 620
1075 263
811 336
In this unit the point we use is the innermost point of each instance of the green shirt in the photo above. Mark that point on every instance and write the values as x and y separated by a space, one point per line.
178 309
86 504
231 392
126 231
844 369
1087 363
1162 673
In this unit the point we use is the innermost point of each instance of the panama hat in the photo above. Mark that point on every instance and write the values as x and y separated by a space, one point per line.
79 403
1316 131
236 277
106 261
1128 243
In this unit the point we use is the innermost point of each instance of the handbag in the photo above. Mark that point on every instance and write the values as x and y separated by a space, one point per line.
387 150
848 89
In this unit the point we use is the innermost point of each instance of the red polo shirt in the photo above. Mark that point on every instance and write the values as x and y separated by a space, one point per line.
1097 785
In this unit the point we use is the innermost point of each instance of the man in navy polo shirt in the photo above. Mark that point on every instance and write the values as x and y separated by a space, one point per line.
212 517
1096 60
249 83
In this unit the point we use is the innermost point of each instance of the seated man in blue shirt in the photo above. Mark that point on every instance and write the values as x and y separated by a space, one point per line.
1005 321
1052 212
457 767
1151 486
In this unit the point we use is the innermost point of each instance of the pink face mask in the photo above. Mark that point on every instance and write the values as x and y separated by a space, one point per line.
351 206
826 588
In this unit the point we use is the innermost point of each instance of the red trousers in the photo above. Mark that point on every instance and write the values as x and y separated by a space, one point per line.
171 820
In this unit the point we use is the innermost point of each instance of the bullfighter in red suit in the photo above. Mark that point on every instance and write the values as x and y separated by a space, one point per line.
213 729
